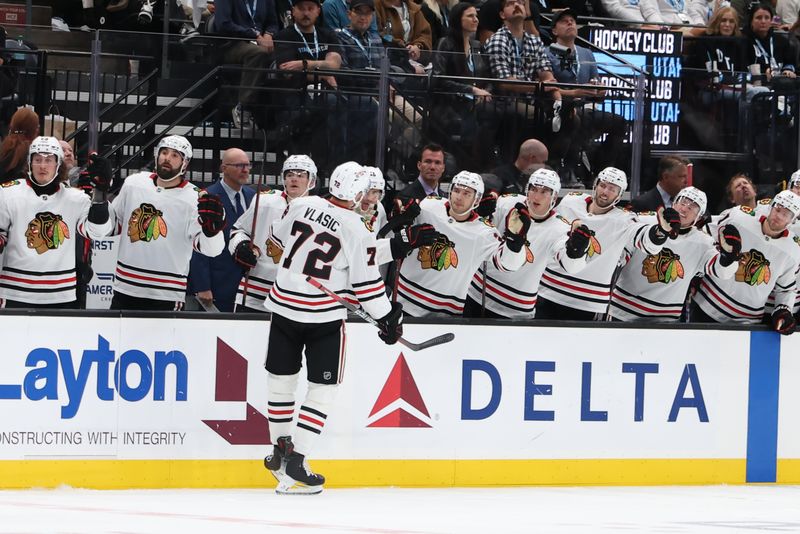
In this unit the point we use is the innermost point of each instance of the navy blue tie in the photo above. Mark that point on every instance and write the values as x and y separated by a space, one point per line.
238 206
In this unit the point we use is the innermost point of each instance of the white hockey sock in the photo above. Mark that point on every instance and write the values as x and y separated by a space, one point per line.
312 416
280 404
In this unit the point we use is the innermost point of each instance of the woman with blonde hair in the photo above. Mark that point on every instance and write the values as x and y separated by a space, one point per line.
22 130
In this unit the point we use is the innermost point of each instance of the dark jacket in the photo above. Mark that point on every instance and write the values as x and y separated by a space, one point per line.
232 19
728 52
648 201
220 274
446 62
415 190
773 44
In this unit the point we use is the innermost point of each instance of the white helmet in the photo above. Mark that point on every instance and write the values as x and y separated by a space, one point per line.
613 176
788 200
795 179
301 162
376 180
471 180
178 143
546 178
349 181
696 196
46 145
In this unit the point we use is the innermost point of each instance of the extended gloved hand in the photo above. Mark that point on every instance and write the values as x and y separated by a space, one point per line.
487 204
578 241
211 214
783 321
518 221
391 325
100 173
404 215
246 255
730 245
668 225
409 238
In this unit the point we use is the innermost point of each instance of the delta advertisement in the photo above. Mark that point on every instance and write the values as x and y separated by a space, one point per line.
158 389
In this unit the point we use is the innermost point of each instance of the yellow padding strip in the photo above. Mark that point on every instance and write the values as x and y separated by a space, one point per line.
130 474
788 471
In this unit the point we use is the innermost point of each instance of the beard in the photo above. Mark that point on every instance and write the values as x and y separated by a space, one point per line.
166 173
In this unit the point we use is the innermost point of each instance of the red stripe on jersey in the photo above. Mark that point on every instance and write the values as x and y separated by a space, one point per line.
253 285
644 308
402 286
277 295
725 303
576 288
69 280
378 288
279 412
502 294
150 278
304 417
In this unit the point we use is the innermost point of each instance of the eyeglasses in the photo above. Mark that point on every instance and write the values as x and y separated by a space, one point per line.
512 2
240 166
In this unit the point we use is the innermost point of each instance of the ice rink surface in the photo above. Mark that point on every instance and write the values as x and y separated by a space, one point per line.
711 509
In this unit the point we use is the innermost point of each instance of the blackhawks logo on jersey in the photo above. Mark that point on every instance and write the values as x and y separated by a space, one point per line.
146 224
47 231
753 268
9 184
665 267
439 256
594 247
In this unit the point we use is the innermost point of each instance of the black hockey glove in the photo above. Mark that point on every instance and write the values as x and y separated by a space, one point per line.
669 220
211 214
100 173
391 325
730 245
578 241
518 221
404 215
245 255
407 239
783 321
487 204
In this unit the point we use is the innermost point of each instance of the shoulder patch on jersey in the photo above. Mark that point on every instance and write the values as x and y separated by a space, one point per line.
797 239
434 197
368 223
562 219
765 201
748 210
196 189
9 184
487 222
646 213
269 192
574 194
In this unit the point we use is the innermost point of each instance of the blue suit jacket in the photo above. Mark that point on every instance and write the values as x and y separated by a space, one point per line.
221 274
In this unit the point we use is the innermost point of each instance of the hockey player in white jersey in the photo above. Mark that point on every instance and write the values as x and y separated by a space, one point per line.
769 264
550 238
325 240
653 287
40 219
585 296
370 207
298 177
162 219
436 279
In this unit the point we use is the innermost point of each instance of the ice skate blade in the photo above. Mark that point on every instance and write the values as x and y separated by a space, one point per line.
292 487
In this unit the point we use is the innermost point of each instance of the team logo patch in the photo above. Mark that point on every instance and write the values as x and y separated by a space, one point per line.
146 224
274 251
664 267
439 256
765 201
748 210
9 184
487 222
797 239
753 268
368 223
47 231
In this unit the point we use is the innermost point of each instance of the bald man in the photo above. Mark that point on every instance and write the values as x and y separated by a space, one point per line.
70 163
532 155
214 280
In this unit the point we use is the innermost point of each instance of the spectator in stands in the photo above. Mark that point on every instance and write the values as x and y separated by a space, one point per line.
461 106
769 53
431 169
301 51
489 19
22 130
740 191
623 9
404 28
674 11
532 155
9 73
437 13
215 280
362 51
336 16
673 176
253 24
70 163
721 50
517 55
586 123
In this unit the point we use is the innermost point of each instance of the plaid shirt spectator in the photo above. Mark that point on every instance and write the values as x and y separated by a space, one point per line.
506 60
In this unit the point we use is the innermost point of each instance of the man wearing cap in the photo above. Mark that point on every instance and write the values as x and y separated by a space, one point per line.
362 51
336 15
575 64
303 52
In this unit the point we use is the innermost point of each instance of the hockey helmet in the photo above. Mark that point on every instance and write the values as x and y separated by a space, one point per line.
471 180
179 144
613 176
790 201
46 145
794 181
349 181
301 162
696 196
546 178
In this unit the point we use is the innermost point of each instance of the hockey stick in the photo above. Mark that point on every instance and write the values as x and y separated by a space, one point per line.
255 218
438 340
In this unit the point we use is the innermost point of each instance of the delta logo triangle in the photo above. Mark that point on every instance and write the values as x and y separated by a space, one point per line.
399 404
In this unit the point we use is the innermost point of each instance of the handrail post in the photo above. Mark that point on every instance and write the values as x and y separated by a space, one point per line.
94 95
383 113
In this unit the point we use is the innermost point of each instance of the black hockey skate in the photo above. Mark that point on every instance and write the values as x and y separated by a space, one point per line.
299 479
276 462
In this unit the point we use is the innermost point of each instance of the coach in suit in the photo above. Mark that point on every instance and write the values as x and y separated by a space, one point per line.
214 280
673 175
